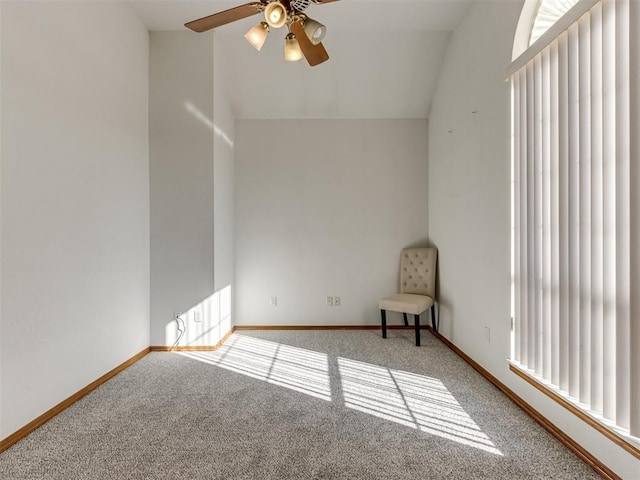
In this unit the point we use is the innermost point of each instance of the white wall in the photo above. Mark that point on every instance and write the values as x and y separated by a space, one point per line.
188 152
361 80
223 186
469 209
74 193
324 208
1 349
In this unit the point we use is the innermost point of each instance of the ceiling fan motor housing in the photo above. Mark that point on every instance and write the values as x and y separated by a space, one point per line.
299 5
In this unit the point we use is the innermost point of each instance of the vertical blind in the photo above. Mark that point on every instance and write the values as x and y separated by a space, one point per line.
576 214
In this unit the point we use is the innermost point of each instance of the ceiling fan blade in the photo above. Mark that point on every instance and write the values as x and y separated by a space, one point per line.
224 17
320 2
315 54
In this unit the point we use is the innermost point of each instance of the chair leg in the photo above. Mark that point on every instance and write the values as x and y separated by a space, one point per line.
406 322
383 316
417 317
433 318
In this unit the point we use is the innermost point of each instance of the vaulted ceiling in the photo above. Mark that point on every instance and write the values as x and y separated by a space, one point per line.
385 58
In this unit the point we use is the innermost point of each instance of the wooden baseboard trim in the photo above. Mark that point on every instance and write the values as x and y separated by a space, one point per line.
306 327
615 438
600 468
583 454
326 327
202 348
194 348
49 414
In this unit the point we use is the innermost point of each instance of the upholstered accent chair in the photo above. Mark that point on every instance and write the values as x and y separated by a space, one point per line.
417 289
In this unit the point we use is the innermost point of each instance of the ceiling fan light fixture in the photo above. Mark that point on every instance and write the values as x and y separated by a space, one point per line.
275 14
292 51
299 5
314 30
258 35
305 34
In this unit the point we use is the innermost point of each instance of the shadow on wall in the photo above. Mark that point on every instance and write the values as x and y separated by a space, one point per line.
203 324
444 307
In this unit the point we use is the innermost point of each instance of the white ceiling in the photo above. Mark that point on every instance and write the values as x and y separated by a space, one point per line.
385 58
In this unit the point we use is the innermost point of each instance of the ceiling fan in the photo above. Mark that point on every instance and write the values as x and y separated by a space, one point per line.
304 37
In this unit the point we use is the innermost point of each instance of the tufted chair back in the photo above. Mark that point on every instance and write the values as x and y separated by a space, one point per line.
418 271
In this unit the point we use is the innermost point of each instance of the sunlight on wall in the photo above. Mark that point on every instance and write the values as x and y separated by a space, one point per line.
301 370
203 324
196 112
412 400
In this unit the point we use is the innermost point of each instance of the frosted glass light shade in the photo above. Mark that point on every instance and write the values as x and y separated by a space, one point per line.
275 14
292 51
258 35
314 30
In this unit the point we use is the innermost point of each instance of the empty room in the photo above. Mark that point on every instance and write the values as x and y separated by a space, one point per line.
319 239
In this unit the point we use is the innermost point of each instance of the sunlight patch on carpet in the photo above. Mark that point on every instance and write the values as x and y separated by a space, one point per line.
412 400
295 368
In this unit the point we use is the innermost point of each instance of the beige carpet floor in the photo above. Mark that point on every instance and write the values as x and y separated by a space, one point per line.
296 405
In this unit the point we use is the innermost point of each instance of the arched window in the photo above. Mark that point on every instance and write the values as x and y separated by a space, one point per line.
576 209
549 11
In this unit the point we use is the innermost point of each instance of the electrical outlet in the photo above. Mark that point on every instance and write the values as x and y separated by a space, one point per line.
274 301
487 334
329 301
197 316
336 301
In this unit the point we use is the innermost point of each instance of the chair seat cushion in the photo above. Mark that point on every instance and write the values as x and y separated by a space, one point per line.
407 303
